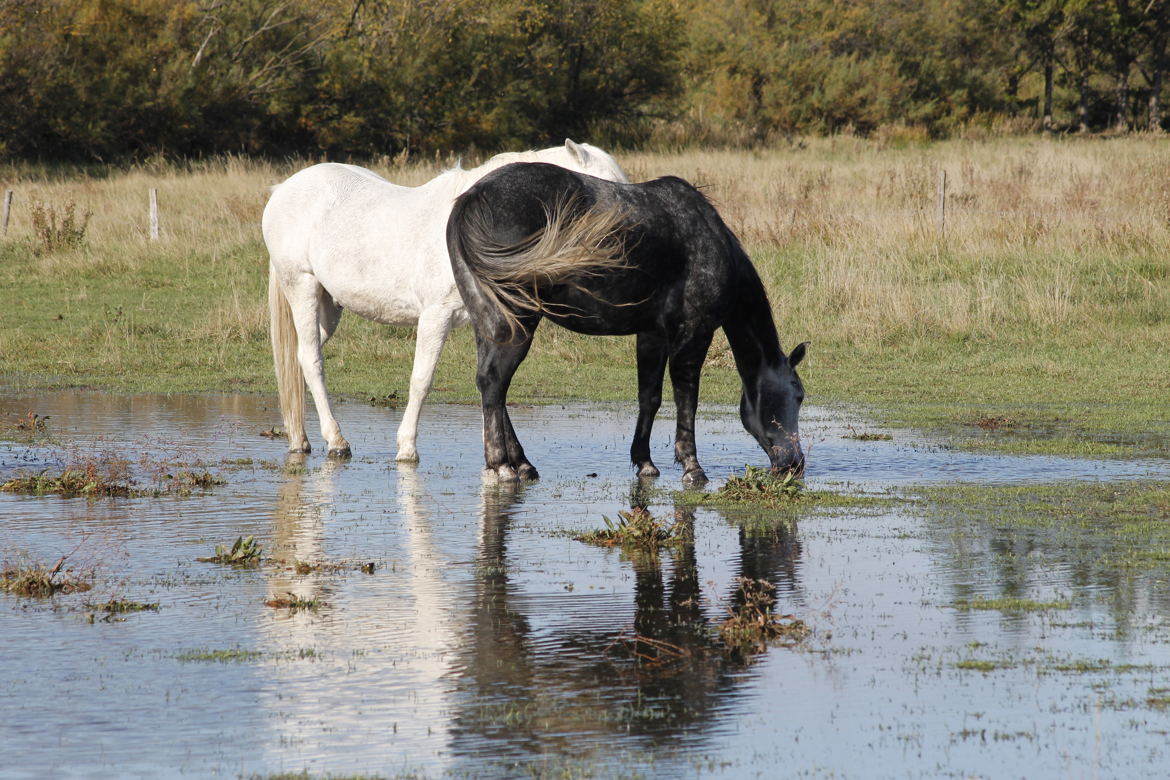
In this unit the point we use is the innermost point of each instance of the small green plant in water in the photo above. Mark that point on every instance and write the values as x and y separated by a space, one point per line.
752 625
638 529
244 552
760 484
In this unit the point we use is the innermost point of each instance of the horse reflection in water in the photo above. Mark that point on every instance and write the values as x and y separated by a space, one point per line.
404 633
471 662
530 692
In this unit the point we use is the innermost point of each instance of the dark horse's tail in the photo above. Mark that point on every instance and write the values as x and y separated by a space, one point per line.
574 244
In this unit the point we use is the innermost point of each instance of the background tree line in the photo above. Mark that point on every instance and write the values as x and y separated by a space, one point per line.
117 79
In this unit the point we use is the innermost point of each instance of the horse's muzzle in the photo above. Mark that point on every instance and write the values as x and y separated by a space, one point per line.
787 461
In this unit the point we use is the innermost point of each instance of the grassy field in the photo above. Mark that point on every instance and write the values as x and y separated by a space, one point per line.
1034 320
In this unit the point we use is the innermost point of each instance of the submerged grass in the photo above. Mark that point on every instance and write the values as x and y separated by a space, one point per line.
1106 529
231 655
122 606
1047 292
1011 605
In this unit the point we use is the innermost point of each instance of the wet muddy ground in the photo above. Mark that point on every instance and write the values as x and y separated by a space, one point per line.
484 641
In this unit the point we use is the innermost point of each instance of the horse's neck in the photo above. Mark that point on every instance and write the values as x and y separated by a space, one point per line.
751 331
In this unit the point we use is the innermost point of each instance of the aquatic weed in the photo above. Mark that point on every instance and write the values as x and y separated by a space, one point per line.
637 529
105 476
761 485
245 552
25 578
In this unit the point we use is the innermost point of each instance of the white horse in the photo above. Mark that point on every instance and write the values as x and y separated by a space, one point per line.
342 237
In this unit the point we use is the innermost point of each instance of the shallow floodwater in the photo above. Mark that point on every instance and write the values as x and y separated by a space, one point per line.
487 642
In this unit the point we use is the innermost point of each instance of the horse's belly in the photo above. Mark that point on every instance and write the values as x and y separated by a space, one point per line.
393 290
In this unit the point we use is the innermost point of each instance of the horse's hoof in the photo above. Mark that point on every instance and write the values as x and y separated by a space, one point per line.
695 476
648 470
340 453
304 449
407 456
506 473
527 472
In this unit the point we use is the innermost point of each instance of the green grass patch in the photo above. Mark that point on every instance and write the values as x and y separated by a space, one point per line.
1010 605
231 655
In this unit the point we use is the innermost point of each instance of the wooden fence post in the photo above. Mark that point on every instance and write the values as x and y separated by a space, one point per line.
153 214
7 209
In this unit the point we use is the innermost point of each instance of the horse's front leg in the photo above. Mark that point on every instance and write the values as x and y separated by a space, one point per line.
686 364
433 326
497 363
652 353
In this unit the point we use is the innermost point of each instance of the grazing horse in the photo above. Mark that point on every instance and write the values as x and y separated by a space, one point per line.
653 259
342 237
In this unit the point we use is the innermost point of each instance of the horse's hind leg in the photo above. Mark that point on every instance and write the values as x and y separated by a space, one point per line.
433 326
686 364
312 312
651 366
497 363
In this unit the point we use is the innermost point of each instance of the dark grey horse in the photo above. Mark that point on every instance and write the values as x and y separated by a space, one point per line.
654 259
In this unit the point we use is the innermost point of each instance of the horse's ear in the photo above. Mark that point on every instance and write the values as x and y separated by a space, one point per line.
797 354
578 151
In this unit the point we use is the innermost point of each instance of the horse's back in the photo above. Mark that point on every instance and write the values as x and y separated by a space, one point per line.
308 202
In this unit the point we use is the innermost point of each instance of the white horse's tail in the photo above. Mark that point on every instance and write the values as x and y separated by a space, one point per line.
290 383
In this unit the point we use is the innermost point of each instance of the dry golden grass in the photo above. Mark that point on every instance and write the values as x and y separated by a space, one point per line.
1038 234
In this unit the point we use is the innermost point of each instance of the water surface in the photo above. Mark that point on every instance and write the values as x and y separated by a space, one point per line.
487 642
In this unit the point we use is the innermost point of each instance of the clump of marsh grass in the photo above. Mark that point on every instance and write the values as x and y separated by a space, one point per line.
90 478
27 578
761 485
109 475
637 529
752 625
244 553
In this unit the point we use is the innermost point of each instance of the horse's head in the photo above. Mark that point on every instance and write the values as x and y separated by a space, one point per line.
588 159
770 407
